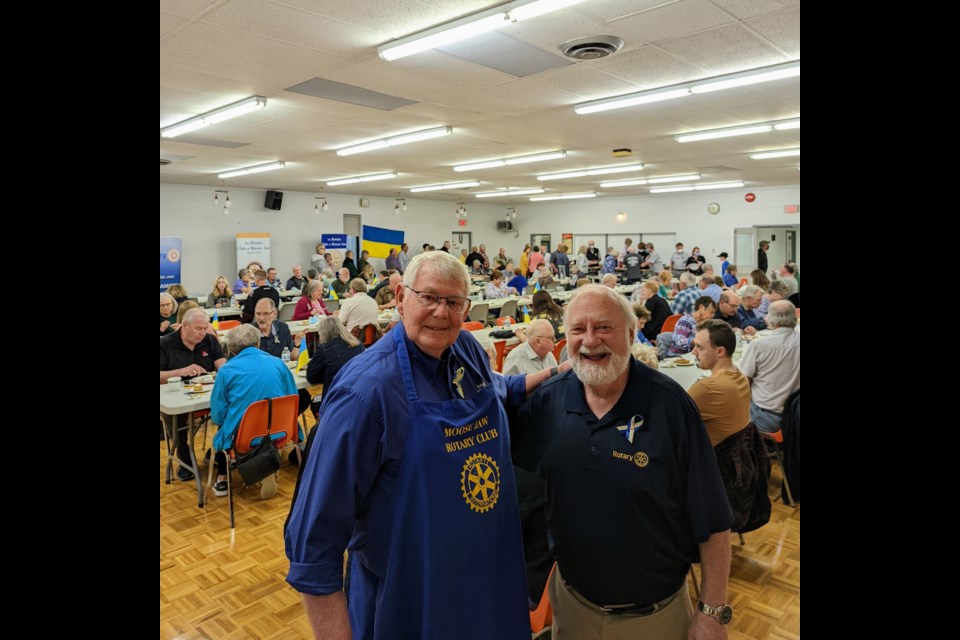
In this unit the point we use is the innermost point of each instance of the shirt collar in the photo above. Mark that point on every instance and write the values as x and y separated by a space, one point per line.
577 402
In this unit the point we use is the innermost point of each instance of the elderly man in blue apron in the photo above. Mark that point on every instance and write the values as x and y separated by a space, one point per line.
411 473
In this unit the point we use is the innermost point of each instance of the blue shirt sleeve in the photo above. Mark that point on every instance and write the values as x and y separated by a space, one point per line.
341 467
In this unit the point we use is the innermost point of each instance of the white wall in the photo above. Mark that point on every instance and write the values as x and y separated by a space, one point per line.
209 237
209 245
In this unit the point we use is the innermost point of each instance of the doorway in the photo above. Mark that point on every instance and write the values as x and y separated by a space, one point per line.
541 240
460 240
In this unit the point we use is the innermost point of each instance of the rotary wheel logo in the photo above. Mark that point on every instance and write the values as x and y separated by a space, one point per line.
641 459
480 482
173 255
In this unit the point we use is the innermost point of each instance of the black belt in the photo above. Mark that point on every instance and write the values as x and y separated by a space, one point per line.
632 609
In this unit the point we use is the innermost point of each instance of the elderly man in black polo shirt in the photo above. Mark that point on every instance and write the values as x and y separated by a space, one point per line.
634 494
189 352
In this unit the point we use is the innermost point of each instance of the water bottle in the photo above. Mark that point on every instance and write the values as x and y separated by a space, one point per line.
285 356
507 322
233 301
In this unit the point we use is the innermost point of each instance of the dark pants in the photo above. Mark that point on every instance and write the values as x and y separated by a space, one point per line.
531 491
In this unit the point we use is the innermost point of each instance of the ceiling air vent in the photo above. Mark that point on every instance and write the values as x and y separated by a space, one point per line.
591 47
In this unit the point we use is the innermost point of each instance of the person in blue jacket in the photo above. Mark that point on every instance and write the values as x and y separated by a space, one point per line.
410 471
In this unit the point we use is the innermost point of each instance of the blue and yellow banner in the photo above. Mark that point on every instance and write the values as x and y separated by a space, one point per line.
379 241
171 249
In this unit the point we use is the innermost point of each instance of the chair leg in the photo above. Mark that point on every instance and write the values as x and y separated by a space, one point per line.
742 541
230 490
786 484
210 465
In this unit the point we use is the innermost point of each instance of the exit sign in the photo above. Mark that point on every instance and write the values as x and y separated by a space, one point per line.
791 208
461 223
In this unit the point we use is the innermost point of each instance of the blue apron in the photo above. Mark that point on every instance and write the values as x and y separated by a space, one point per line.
451 565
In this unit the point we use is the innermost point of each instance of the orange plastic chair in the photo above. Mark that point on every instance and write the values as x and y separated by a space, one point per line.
500 346
280 413
472 326
743 282
670 323
228 324
503 320
558 348
542 616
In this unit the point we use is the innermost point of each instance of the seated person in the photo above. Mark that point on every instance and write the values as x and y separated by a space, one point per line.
643 315
645 353
686 328
777 290
518 282
335 347
179 292
496 287
220 296
358 310
248 376
477 269
730 278
242 284
189 352
750 299
262 290
168 314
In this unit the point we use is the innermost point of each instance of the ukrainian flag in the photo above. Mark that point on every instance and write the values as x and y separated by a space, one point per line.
216 321
379 241
304 358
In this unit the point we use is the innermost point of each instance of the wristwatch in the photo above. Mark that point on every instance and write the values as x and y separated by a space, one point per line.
553 371
722 614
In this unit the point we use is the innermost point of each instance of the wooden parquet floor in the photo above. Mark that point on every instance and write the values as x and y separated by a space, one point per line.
220 585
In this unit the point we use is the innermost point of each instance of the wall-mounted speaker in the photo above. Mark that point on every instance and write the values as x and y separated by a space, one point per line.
273 200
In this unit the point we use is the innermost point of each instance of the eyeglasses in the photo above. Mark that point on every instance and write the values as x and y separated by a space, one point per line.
550 338
455 304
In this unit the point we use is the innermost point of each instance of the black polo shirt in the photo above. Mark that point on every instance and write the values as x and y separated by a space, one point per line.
625 518
259 294
278 339
175 355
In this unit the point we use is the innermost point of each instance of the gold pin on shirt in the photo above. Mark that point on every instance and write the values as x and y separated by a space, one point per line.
457 377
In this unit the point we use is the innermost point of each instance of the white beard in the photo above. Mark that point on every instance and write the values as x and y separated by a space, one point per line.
600 374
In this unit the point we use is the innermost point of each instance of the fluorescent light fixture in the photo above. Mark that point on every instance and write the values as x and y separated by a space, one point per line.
699 187
260 168
784 125
780 153
488 164
623 183
597 171
632 100
447 185
707 85
217 115
745 130
367 178
508 192
393 141
744 78
683 178
468 26
657 180
566 196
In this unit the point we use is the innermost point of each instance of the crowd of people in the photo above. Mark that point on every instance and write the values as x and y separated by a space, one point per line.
422 447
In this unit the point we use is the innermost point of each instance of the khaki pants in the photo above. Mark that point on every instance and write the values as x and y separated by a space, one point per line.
574 618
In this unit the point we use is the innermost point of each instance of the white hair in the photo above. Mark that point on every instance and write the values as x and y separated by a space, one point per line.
782 315
443 265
